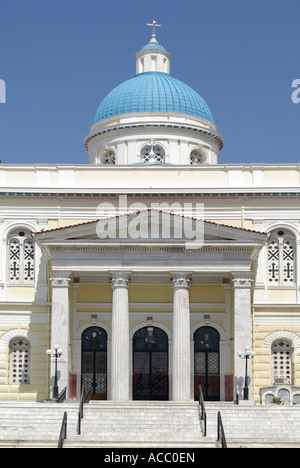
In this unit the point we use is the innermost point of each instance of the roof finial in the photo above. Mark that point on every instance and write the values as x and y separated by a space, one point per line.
153 25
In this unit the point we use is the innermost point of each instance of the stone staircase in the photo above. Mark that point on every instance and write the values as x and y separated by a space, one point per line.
141 424
254 426
105 424
35 425
147 424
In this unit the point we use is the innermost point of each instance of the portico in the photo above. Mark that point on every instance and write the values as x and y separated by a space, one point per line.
158 285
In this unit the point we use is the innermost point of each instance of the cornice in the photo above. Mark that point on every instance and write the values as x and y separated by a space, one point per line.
159 125
155 194
246 248
99 167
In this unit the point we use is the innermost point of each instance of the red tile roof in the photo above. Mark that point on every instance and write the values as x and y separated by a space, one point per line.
141 211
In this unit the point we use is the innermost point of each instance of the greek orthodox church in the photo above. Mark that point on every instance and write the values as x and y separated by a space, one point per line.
154 268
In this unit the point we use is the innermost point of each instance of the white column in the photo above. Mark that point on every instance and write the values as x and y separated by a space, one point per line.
76 348
242 283
120 338
225 346
60 326
181 338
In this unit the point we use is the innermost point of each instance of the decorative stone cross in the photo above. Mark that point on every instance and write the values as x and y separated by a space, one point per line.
153 25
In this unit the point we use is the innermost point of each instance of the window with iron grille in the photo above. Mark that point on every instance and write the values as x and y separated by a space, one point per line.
153 153
21 259
281 259
282 362
20 362
110 157
197 157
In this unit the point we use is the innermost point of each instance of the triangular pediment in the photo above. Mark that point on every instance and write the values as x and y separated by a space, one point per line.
152 227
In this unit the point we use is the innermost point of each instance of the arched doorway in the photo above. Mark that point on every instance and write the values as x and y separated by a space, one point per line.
207 363
94 361
150 364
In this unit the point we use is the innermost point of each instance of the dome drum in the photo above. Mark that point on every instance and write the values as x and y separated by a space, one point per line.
178 135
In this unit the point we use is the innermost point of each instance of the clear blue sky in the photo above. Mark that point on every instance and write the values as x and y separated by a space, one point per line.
60 58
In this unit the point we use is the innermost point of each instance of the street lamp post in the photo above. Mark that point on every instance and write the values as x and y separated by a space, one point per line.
247 354
56 354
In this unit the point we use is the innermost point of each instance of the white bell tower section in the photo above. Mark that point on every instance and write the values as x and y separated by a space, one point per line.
153 57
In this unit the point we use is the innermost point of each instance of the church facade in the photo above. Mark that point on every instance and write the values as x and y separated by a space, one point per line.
154 269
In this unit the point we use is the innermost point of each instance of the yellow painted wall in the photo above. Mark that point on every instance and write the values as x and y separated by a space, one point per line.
273 178
94 293
150 293
207 293
38 388
279 295
19 293
262 365
239 223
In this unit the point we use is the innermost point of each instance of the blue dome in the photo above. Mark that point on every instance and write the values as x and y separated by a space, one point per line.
153 92
153 45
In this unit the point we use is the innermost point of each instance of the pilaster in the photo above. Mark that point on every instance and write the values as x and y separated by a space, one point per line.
60 326
242 285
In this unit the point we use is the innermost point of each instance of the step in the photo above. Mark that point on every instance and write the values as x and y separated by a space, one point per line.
147 424
258 424
28 444
142 423
35 421
109 444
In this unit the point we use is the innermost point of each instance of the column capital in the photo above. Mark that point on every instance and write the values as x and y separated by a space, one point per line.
181 280
120 279
242 279
60 279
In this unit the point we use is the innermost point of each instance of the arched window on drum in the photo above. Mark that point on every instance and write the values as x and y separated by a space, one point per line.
153 153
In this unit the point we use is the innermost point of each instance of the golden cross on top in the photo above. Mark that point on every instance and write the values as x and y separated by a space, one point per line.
153 25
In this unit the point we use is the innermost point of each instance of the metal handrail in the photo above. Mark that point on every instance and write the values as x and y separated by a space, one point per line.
62 396
221 432
203 415
63 431
85 398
